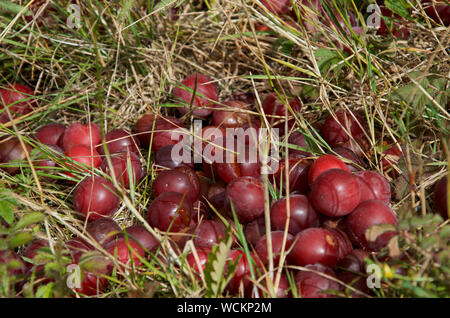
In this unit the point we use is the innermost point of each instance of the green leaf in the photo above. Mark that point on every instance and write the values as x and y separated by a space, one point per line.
45 291
217 275
30 218
12 7
398 6
94 262
7 205
21 238
326 58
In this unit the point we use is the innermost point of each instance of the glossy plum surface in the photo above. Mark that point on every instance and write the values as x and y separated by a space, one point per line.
324 163
103 230
231 115
441 198
314 285
335 193
170 211
366 215
205 90
277 244
119 163
242 272
302 214
125 252
158 131
339 130
18 99
119 140
86 156
164 158
247 196
51 134
373 186
95 197
208 233
12 155
175 181
78 134
143 237
273 106
315 245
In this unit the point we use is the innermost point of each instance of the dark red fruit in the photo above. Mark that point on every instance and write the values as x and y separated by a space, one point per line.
51 134
77 247
164 158
439 11
366 215
315 245
247 197
162 131
126 252
255 230
344 244
85 156
283 290
302 214
335 193
354 160
11 154
314 285
146 239
18 99
277 244
441 198
273 106
390 158
103 230
392 23
119 140
278 7
95 197
78 134
352 271
208 233
217 195
242 272
205 95
170 211
373 186
246 97
298 175
43 161
119 163
339 131
324 163
202 253
233 114
176 181
298 139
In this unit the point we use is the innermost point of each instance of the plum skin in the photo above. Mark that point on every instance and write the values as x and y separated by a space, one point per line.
17 99
176 181
312 285
94 198
302 214
440 197
51 134
170 211
201 106
119 163
324 163
247 196
315 245
143 237
11 150
119 140
366 215
103 230
78 134
335 193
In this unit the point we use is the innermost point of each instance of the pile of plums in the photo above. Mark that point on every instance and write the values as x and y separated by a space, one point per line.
322 208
